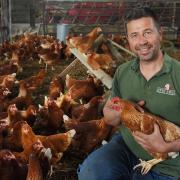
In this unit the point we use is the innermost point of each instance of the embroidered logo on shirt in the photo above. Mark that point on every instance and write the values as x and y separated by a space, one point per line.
166 90
167 87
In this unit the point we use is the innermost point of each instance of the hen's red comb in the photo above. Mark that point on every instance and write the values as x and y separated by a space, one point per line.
115 99
116 108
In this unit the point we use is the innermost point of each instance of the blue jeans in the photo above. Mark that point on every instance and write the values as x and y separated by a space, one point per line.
114 161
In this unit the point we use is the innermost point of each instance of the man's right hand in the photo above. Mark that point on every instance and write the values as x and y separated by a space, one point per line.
139 106
111 116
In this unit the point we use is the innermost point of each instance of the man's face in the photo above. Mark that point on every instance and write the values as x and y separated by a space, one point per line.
144 38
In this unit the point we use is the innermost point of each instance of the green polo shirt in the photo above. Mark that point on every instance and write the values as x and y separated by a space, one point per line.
162 96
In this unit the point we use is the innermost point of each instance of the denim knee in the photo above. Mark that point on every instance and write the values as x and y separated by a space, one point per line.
92 168
111 161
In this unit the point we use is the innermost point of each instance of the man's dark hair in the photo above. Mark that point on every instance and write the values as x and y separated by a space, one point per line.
140 12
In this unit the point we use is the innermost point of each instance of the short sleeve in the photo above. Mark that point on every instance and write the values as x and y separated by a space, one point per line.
115 91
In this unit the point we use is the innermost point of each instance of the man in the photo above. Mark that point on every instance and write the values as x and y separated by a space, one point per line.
153 78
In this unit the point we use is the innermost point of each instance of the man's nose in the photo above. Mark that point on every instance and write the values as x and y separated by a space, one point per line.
142 40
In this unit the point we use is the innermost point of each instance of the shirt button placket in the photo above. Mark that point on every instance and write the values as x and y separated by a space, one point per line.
147 89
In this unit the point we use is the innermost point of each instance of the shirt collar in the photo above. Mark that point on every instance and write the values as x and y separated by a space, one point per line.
165 69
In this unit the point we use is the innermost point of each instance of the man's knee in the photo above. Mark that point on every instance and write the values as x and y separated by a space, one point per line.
111 160
91 168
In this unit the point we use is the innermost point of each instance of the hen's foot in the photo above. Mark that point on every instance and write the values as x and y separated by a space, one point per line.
147 165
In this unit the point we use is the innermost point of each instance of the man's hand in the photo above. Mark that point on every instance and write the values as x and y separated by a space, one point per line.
153 142
139 106
111 115
112 108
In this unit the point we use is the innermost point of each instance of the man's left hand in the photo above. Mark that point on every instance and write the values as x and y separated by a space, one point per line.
153 142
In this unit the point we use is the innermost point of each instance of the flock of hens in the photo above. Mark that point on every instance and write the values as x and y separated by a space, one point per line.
33 137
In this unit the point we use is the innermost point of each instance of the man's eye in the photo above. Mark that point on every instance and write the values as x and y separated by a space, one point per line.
147 33
133 36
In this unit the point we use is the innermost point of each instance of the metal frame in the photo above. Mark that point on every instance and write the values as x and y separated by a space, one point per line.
167 11
5 20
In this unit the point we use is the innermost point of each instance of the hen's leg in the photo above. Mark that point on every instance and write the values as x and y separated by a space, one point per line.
147 165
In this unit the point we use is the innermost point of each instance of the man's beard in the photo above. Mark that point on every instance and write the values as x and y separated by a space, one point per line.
152 52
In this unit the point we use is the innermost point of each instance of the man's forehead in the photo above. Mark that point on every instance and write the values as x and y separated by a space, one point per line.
141 23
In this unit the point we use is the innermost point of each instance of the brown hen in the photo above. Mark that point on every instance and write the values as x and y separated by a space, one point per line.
65 102
144 122
10 168
89 134
24 98
33 82
85 43
34 168
100 61
58 143
89 111
21 139
8 80
56 87
10 68
84 89
55 115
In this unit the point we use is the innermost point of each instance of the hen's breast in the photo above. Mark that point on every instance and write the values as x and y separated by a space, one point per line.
137 121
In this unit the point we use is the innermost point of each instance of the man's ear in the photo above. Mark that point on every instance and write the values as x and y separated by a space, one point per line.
161 33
